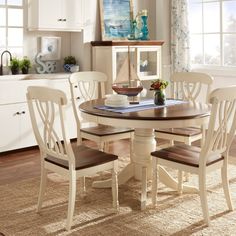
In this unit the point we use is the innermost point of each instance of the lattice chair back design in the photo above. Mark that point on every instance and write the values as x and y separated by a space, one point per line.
47 108
193 87
214 152
85 86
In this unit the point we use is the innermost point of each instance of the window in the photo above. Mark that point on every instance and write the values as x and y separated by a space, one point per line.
11 26
213 32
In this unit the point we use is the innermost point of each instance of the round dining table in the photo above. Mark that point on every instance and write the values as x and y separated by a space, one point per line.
145 122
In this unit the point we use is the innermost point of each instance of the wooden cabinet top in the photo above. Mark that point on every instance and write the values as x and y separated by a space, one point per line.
128 43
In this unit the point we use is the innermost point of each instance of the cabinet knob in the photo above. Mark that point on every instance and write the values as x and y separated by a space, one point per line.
23 112
18 113
76 86
78 98
63 19
59 19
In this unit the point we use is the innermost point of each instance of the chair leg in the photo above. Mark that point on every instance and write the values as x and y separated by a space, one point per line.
106 146
225 183
180 182
72 195
101 146
154 181
203 197
115 189
43 183
186 174
83 180
144 188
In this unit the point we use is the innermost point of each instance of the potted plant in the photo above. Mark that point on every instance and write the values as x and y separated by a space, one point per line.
69 62
15 65
25 64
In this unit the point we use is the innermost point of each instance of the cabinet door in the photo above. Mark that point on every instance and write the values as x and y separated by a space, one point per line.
148 62
15 126
50 14
27 137
9 126
72 14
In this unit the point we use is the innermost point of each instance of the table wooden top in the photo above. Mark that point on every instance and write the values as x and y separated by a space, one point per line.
175 112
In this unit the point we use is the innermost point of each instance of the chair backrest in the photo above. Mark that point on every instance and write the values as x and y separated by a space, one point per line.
85 86
91 84
191 86
46 108
222 123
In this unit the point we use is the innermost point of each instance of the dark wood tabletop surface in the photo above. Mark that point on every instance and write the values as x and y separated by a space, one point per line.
173 112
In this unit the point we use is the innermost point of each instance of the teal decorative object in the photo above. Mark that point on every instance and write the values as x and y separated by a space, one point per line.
144 29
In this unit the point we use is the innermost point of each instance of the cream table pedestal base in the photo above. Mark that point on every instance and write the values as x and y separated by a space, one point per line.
140 166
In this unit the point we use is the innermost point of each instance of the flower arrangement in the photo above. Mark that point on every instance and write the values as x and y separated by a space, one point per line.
159 84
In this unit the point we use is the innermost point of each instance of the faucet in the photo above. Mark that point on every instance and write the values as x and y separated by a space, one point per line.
1 66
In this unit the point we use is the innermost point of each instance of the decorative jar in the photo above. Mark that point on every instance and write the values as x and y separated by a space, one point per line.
160 97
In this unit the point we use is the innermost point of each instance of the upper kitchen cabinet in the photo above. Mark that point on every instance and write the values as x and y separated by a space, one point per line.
55 15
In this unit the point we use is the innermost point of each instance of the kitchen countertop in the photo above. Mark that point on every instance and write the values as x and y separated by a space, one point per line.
35 76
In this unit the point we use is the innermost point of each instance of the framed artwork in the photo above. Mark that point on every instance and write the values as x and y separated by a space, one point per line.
51 48
116 17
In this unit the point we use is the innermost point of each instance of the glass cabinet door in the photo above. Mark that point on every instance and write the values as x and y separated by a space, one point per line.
121 57
148 63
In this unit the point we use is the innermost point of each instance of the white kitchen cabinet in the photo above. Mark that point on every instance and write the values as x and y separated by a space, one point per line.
16 131
15 124
55 15
108 57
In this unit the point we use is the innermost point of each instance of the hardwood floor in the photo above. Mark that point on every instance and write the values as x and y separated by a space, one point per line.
25 163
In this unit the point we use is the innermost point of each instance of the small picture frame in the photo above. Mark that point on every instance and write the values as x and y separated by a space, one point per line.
51 48
116 17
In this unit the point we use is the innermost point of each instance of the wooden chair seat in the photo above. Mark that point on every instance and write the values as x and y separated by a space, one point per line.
187 132
85 157
103 130
184 154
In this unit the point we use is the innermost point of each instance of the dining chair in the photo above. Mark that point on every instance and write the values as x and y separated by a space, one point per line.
85 86
47 108
211 156
189 86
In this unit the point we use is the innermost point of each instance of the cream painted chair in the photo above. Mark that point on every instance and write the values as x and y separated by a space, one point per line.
190 86
47 107
213 154
85 86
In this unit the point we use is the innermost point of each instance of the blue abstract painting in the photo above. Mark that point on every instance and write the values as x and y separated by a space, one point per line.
116 16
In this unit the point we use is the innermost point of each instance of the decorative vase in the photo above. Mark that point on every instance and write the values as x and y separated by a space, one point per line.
144 30
67 67
160 97
25 70
15 71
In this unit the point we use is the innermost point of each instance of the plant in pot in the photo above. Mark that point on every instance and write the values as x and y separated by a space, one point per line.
15 65
69 62
25 64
